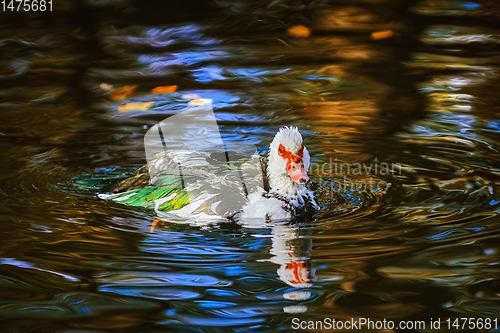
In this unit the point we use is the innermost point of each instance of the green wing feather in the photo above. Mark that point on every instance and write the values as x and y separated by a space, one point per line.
146 197
177 202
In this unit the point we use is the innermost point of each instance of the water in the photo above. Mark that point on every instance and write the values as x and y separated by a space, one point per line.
420 245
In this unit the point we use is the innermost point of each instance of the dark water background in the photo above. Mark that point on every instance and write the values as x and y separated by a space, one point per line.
427 100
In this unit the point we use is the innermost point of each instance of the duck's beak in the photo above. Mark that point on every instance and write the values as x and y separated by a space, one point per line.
298 173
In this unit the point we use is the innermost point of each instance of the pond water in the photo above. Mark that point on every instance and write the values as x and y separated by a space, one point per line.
418 99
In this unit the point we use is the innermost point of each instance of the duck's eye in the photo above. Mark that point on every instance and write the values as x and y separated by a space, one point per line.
280 150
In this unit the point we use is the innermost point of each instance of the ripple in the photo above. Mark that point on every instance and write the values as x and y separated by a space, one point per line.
146 279
217 322
71 305
150 292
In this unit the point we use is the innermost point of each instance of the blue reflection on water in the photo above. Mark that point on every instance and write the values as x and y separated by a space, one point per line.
442 235
159 293
493 125
244 117
208 74
255 72
222 293
475 229
186 58
24 264
469 5
214 304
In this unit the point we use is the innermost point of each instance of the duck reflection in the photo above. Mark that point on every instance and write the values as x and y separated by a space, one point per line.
291 249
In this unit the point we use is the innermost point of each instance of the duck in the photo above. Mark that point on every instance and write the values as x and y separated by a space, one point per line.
227 185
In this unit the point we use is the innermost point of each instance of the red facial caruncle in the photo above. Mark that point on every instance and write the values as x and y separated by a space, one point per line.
294 164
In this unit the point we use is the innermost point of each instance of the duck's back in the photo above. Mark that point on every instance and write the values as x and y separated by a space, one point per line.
193 184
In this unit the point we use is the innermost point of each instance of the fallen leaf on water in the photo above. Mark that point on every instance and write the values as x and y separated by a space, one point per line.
106 86
122 92
299 31
135 106
199 101
164 89
382 34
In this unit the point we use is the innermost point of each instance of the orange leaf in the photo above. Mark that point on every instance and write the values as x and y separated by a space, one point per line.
382 34
135 106
122 92
164 89
299 31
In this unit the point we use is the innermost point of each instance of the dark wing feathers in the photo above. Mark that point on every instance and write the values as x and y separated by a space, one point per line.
202 173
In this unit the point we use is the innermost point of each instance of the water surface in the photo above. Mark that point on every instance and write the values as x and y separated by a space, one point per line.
422 244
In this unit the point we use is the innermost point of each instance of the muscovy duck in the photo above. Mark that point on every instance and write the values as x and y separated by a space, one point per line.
225 185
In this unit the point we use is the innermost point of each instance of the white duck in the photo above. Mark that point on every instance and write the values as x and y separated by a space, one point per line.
211 187
288 162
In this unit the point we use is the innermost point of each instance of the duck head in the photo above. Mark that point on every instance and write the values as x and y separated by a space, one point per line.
288 162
